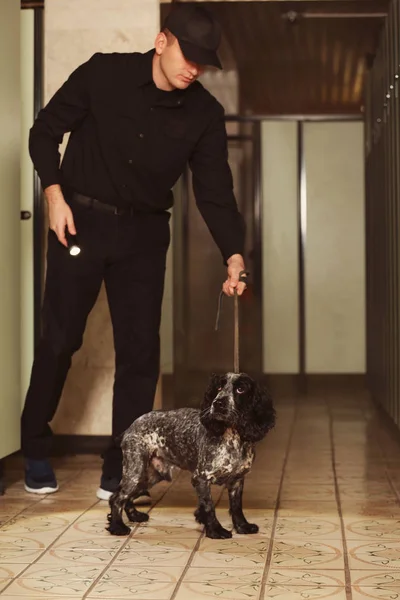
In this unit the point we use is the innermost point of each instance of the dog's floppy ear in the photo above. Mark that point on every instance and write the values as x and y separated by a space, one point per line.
257 415
215 427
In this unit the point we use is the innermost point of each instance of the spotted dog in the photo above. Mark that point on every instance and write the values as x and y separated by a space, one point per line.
216 443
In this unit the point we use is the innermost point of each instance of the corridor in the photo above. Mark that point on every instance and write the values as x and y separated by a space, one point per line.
324 490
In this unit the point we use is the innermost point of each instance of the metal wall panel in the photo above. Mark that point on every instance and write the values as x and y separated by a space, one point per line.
382 217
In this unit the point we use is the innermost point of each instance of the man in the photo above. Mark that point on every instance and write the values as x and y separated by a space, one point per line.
135 121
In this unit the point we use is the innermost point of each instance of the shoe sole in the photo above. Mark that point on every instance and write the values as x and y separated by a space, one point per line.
106 495
43 490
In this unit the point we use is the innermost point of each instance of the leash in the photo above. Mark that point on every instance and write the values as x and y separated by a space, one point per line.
242 279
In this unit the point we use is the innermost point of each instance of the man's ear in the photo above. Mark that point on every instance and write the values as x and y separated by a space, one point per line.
160 43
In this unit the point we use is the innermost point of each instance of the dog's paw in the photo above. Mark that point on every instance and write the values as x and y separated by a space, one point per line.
218 533
118 529
247 528
135 516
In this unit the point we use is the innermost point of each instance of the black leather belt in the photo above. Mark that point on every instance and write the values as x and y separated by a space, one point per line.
102 206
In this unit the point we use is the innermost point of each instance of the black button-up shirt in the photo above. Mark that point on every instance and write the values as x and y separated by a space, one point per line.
130 142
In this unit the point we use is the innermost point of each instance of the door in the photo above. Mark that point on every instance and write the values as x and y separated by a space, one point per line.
199 273
10 399
27 198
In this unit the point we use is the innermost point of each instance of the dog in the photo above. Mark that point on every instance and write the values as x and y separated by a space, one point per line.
216 443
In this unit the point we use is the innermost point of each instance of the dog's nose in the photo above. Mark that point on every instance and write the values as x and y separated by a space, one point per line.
220 402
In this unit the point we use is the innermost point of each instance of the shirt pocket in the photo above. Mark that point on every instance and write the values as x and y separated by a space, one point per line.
177 127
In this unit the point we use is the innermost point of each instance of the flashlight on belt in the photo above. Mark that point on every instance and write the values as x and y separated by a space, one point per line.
73 246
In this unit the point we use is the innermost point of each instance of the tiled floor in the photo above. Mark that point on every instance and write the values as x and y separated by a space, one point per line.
324 490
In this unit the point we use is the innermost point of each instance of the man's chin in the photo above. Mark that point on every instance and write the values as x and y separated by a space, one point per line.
182 85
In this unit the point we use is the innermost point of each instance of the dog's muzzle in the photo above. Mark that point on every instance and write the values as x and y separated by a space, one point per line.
221 407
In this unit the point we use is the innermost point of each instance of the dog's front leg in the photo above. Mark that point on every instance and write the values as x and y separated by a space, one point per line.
205 514
240 523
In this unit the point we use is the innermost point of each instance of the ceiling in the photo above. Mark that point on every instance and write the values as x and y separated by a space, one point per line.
299 57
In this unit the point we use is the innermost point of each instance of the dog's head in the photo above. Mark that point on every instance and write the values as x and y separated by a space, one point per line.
237 401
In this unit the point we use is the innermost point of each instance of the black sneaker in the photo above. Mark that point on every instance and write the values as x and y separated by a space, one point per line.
39 477
108 485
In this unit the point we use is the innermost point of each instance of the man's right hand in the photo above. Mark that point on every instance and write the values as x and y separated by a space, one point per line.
60 214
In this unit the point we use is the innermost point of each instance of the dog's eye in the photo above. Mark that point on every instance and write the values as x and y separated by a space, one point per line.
219 388
240 390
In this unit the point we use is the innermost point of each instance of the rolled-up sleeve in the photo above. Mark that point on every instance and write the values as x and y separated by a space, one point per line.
213 188
64 112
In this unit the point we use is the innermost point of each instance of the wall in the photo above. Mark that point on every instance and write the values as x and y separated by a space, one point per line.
334 252
280 248
335 248
27 171
383 212
10 127
74 30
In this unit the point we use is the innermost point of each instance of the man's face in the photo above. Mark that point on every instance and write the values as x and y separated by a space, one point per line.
178 71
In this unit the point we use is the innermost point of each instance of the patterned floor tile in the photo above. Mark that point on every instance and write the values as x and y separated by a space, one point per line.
9 571
220 583
314 591
137 572
149 558
372 528
307 553
308 528
306 577
295 508
39 580
143 544
372 584
44 589
141 589
314 493
152 530
382 555
32 524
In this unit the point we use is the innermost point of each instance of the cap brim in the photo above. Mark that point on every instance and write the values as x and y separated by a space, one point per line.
200 56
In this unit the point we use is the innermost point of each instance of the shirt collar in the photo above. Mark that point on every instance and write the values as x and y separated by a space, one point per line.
145 76
145 68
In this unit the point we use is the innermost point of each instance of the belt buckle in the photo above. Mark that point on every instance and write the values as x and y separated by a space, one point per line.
118 211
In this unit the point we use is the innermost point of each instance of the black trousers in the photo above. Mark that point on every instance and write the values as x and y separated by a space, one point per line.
128 253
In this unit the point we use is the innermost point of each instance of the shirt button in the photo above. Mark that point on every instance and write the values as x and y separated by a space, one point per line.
123 185
130 161
152 108
141 135
179 102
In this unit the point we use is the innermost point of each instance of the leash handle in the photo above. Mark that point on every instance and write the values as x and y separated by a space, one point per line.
242 279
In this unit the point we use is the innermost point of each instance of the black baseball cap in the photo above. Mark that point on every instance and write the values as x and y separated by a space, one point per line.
198 33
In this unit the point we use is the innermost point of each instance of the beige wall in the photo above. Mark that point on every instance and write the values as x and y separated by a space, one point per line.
280 247
10 128
27 101
334 247
74 30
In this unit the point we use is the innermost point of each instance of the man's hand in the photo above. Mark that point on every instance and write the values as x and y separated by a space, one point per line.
60 214
235 266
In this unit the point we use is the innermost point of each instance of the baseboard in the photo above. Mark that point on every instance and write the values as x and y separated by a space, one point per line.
280 384
315 382
392 428
79 444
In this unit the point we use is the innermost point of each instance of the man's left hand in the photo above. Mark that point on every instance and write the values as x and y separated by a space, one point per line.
235 266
